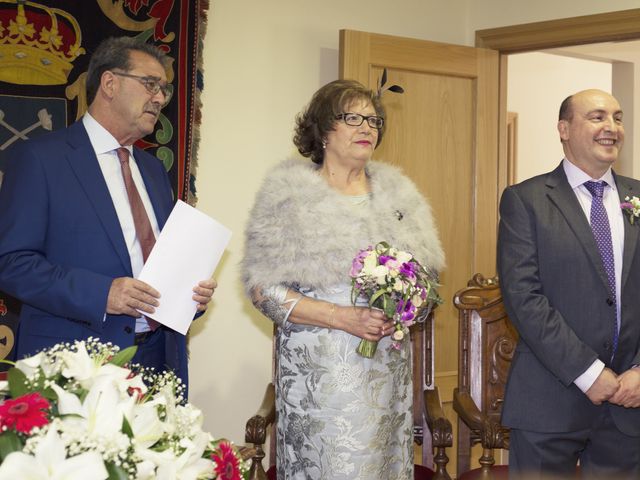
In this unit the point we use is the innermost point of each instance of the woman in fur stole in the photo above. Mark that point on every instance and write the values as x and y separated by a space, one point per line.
340 415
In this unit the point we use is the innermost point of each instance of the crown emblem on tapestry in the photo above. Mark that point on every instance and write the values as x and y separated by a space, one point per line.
38 44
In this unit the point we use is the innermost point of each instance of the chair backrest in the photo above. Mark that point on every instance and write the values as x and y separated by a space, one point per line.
487 340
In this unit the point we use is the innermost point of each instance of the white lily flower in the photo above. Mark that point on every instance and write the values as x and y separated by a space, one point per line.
49 463
146 426
102 410
87 370
146 470
189 465
30 365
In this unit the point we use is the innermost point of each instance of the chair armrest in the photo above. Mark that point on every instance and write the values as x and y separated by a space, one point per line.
467 409
440 426
441 432
492 434
256 428
256 432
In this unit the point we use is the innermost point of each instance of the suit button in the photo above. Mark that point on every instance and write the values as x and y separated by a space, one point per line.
128 329
607 346
609 302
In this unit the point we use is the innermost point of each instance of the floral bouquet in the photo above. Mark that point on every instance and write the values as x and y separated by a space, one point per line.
396 283
80 411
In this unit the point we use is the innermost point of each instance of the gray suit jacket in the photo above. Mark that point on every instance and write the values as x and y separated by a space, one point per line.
556 294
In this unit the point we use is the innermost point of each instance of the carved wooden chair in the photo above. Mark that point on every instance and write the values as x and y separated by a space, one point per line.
487 340
428 416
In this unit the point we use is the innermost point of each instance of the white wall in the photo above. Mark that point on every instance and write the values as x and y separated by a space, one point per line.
537 84
500 13
262 61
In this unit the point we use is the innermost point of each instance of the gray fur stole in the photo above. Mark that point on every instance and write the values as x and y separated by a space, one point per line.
301 231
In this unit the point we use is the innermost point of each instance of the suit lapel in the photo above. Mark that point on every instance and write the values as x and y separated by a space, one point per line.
84 163
562 196
631 232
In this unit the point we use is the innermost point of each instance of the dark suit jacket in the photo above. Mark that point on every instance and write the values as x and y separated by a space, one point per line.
555 292
61 243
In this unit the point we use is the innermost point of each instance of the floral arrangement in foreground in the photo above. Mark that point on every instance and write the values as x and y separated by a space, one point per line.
395 282
80 411
631 206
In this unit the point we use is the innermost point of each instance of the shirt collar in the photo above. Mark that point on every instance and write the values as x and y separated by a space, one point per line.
577 177
101 140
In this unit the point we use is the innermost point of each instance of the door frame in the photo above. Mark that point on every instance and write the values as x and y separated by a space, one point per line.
597 28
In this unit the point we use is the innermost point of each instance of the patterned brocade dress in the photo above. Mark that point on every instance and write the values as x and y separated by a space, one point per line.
341 415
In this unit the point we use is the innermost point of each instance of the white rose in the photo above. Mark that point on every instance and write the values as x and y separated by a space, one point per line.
398 335
369 264
417 300
404 257
380 274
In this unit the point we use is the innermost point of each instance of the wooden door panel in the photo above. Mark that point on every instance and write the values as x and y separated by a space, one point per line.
430 133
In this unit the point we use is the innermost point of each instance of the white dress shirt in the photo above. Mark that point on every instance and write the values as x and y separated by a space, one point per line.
105 145
611 201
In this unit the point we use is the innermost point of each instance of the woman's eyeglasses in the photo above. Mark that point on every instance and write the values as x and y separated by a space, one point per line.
355 120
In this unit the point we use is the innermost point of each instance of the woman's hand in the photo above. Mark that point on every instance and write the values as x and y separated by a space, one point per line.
368 323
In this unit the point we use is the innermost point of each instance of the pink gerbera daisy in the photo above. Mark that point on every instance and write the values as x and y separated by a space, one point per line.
24 413
227 465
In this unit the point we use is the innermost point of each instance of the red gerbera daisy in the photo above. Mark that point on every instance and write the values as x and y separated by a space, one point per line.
24 413
227 464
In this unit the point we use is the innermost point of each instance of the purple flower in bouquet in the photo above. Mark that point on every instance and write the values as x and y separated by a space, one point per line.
383 259
395 282
408 269
407 312
358 261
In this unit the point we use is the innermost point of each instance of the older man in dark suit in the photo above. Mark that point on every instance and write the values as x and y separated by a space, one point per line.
79 212
569 263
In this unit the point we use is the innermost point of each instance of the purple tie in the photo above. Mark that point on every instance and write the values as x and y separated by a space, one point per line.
602 235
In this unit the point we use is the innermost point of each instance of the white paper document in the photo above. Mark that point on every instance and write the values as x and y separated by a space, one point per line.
187 251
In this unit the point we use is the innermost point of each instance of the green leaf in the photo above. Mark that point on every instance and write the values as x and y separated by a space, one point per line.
116 472
124 356
385 246
126 427
9 442
375 297
17 382
390 308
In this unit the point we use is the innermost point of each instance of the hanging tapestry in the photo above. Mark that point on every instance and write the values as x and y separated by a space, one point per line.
45 47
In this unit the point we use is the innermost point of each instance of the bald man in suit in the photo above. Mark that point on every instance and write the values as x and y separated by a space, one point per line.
569 265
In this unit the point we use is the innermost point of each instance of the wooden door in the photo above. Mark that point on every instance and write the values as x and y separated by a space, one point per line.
443 132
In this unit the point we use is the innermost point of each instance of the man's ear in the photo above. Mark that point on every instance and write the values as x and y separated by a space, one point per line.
108 83
563 130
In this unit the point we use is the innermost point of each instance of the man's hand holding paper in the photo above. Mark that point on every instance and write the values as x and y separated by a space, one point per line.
188 249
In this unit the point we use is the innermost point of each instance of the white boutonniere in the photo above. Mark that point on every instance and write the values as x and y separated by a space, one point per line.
631 207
